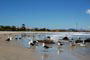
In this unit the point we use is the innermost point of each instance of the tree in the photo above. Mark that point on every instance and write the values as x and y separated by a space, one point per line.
14 28
23 28
36 29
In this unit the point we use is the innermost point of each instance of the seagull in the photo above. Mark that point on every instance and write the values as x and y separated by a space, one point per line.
82 44
31 43
9 38
45 46
35 42
18 37
60 44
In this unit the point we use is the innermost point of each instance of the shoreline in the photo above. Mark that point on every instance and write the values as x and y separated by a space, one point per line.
35 32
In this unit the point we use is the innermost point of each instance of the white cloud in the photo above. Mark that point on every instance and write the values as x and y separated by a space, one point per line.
88 11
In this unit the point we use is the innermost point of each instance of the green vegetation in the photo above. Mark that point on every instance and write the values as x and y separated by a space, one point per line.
24 28
13 28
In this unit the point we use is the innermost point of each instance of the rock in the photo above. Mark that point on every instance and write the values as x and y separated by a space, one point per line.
65 38
87 40
78 41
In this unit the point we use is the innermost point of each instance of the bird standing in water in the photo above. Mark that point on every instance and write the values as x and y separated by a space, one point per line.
45 46
31 43
60 43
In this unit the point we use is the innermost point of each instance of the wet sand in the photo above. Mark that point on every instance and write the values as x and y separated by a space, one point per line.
12 51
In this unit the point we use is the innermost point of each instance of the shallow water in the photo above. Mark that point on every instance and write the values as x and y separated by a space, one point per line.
56 52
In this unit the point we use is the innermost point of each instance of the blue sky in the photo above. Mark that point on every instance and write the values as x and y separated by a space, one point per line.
46 13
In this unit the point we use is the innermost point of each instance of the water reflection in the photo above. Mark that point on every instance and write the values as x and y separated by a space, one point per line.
59 50
45 56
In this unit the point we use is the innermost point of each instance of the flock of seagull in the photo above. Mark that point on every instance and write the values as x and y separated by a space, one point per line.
33 43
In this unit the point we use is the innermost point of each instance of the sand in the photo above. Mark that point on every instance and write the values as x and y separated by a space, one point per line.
12 51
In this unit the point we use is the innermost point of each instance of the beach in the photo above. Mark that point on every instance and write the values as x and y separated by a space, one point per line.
13 51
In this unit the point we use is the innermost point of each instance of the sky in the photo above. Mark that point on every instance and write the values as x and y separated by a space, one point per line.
54 14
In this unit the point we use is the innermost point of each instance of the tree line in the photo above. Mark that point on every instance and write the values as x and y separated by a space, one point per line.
22 28
13 28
